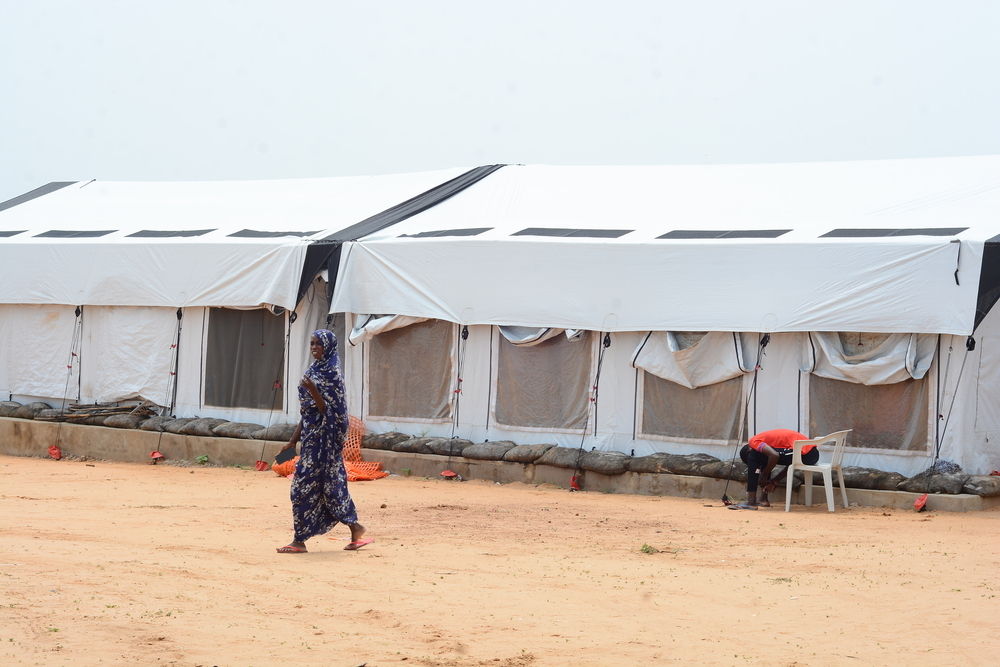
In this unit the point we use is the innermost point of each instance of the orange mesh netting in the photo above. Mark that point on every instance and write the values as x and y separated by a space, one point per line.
285 469
358 469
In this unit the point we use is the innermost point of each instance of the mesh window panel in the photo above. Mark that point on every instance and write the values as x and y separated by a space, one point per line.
244 356
410 371
545 385
711 412
885 416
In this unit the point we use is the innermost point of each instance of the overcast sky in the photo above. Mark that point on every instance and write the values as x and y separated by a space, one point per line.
217 89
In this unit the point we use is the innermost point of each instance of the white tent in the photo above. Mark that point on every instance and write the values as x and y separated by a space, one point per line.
867 275
109 288
618 308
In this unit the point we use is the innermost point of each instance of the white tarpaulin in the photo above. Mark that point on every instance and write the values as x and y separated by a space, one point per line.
35 347
880 246
528 336
714 357
114 371
367 327
892 358
222 243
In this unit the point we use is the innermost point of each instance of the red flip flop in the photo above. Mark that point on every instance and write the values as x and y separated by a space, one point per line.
357 544
920 503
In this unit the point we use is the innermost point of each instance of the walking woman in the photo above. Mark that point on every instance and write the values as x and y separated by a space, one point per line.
320 499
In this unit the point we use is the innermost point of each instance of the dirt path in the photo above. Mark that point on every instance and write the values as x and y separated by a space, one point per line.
128 564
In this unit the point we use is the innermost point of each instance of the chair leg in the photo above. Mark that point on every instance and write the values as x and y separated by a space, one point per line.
843 490
788 488
808 485
828 487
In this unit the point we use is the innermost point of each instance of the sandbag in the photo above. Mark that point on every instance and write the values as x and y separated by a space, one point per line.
560 457
606 463
413 446
488 451
275 432
987 486
932 482
733 470
448 446
50 415
383 441
857 477
659 462
29 410
526 453
175 425
8 408
155 423
125 421
237 430
202 426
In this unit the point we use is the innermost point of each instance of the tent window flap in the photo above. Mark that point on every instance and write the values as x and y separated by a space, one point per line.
244 357
544 385
886 417
410 371
710 412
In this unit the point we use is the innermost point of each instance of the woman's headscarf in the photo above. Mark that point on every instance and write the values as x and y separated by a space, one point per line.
325 372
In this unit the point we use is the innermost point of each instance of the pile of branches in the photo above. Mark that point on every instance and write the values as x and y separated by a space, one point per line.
80 412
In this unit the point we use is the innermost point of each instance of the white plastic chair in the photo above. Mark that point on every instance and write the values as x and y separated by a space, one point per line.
839 440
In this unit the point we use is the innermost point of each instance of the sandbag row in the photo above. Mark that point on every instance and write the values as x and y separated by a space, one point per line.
938 479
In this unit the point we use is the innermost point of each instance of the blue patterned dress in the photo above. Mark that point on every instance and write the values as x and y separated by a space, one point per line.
320 499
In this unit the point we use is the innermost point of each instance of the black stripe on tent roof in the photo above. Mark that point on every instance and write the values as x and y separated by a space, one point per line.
472 231
258 234
412 206
989 279
573 233
11 232
325 253
34 194
874 233
724 234
74 233
167 233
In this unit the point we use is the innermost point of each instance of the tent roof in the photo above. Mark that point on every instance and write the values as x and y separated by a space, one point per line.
889 245
212 243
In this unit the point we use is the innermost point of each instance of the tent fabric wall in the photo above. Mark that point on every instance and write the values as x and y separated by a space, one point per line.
127 353
35 346
780 400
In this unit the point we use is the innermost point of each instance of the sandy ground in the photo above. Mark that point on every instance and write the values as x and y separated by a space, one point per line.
111 563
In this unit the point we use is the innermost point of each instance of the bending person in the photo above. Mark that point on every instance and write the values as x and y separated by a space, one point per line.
320 498
764 451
